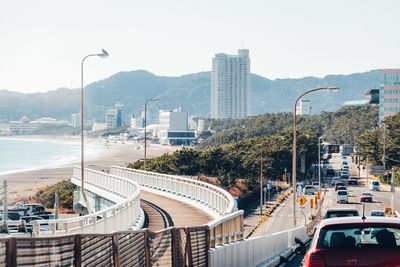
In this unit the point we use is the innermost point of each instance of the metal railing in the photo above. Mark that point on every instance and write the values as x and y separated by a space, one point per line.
125 214
213 200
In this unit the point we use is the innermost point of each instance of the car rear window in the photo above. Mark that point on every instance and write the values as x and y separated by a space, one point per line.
342 193
341 213
359 237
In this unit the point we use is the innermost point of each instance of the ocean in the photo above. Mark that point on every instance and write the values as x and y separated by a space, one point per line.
31 154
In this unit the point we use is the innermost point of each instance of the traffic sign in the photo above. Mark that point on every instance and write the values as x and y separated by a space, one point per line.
269 186
302 201
285 169
283 177
299 188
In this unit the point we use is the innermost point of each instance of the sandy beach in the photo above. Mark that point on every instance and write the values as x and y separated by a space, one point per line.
24 184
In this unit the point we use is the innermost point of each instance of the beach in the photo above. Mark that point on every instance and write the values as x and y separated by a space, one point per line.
22 185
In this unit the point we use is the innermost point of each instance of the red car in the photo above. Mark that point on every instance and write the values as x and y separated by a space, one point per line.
355 241
366 197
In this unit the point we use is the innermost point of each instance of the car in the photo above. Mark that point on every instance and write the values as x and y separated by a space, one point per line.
334 181
342 196
355 241
338 184
344 175
344 163
374 186
330 171
352 180
345 168
379 213
309 190
366 197
343 212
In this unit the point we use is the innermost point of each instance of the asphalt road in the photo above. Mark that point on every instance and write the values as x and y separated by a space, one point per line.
283 218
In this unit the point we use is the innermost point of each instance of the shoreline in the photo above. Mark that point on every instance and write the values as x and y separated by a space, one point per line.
24 184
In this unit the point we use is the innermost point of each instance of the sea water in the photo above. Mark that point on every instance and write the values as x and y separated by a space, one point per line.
30 154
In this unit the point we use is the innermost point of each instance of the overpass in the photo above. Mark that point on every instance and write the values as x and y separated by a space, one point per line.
113 234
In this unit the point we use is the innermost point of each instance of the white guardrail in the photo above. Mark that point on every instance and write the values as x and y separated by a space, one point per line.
125 214
258 251
207 197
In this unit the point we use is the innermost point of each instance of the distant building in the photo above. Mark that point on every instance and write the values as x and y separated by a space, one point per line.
76 120
120 114
26 126
372 96
354 103
304 107
173 128
230 85
111 118
389 94
99 126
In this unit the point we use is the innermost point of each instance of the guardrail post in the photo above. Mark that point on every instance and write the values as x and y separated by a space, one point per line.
147 248
173 247
12 252
77 251
207 243
115 245
189 255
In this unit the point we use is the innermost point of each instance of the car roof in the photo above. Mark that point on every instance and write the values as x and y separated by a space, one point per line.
358 220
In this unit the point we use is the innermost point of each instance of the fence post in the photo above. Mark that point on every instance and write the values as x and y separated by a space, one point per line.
207 243
116 249
188 251
12 252
147 248
173 247
77 251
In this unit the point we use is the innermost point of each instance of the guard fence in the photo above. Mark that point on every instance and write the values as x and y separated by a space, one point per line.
177 246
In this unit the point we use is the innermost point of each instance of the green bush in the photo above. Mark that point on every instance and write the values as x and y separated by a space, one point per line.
65 191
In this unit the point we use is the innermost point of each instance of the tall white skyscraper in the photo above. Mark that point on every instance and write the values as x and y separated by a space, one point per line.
230 85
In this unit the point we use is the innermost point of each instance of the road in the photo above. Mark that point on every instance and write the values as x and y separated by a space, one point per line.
283 218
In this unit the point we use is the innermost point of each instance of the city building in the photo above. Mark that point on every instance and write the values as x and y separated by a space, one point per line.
304 107
230 85
26 126
120 114
389 94
111 118
173 128
99 126
76 120
372 96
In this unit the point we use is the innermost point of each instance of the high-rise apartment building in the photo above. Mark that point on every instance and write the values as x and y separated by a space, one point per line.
304 107
389 102
230 85
120 114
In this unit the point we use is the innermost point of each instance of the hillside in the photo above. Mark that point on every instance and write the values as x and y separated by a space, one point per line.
191 92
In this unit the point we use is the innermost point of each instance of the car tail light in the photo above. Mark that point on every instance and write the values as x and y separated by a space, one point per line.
315 260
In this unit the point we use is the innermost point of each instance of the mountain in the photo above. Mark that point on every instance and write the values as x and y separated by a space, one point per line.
190 92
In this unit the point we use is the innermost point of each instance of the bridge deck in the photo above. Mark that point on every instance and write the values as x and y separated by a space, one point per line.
162 210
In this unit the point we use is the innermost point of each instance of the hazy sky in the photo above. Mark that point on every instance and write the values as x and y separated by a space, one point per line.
42 42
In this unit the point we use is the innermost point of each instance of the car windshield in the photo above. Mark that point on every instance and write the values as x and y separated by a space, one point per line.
348 236
342 193
377 213
366 194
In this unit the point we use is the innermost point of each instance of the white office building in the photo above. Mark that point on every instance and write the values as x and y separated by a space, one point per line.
230 85
76 120
111 118
304 107
173 128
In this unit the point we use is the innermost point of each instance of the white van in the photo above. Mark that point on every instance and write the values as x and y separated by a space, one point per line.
342 196
374 185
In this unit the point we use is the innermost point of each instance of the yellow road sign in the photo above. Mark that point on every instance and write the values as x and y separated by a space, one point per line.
302 201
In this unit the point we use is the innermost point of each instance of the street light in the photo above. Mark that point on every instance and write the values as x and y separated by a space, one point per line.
145 122
104 54
319 162
334 89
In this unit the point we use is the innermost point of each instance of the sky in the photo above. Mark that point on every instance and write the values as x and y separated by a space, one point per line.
43 42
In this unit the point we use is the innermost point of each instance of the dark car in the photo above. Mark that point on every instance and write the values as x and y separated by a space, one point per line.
338 184
352 180
366 197
342 187
355 241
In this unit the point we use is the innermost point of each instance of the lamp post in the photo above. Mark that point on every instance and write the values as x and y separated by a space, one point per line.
319 162
104 54
145 123
334 89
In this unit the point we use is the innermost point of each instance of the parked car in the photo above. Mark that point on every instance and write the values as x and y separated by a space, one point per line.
379 213
342 196
366 197
374 186
338 184
352 180
343 212
309 190
355 241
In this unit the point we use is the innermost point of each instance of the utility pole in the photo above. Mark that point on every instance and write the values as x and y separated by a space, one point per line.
5 205
384 148
56 204
319 162
392 190
261 182
367 171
